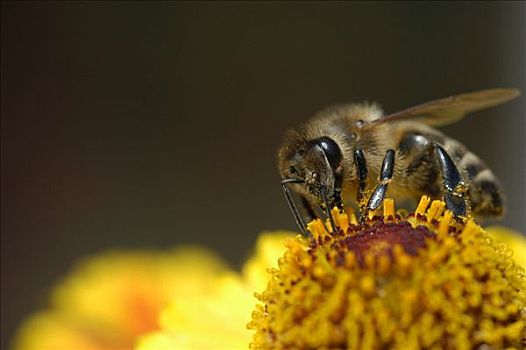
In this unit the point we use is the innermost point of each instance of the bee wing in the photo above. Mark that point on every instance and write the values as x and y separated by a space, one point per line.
453 108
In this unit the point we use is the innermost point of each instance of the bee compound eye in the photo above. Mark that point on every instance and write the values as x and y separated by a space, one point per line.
332 151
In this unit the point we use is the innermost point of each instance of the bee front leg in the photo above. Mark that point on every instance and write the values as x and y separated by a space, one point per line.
337 200
386 174
455 189
361 173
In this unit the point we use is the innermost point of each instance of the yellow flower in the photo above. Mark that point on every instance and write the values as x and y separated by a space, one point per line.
422 281
397 281
109 300
217 318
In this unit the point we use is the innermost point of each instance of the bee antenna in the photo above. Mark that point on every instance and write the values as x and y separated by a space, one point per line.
292 205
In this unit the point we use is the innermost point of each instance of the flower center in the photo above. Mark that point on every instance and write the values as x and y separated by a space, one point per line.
381 238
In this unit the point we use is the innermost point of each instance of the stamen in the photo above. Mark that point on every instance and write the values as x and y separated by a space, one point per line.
422 206
435 211
340 218
443 226
389 209
317 228
353 220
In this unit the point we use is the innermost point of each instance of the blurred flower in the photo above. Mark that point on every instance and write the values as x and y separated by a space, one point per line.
515 241
109 300
217 318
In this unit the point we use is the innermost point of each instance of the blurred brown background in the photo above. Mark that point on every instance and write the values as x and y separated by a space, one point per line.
155 124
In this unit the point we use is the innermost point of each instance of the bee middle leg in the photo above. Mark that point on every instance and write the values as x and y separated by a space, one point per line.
386 174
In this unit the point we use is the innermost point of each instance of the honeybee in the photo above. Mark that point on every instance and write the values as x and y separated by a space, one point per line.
354 149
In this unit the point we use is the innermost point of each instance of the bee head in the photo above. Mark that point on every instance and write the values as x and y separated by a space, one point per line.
315 162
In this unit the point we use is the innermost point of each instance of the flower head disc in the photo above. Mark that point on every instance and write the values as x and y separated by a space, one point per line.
416 281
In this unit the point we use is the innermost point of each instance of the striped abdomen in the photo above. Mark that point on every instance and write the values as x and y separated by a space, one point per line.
484 187
423 171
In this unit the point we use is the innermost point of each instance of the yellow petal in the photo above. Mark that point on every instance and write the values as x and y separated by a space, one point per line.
213 319
156 341
514 240
269 248
45 330
216 318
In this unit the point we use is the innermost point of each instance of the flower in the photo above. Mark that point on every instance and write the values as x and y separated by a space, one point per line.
397 280
417 281
109 300
216 318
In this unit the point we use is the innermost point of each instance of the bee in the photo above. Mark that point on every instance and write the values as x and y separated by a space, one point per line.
355 150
